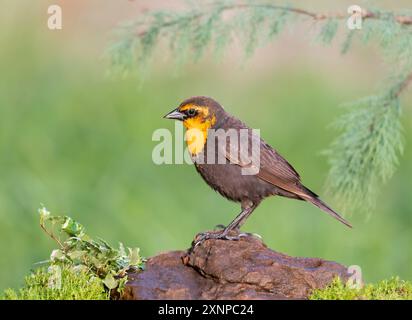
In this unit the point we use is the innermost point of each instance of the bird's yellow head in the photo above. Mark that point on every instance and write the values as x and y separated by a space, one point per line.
198 116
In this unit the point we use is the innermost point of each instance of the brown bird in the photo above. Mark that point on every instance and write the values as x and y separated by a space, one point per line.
273 174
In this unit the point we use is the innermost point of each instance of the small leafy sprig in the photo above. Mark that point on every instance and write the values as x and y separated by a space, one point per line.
81 253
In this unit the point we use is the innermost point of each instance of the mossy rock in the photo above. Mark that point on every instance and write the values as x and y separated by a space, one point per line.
392 289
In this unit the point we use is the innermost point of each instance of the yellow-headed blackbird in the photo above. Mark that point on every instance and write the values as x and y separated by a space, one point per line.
275 176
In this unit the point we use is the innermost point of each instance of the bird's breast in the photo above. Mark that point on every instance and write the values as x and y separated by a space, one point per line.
195 140
196 133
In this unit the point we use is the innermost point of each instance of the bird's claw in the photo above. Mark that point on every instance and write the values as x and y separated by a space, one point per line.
222 235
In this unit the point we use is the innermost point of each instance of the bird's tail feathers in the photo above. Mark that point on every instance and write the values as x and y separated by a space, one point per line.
314 199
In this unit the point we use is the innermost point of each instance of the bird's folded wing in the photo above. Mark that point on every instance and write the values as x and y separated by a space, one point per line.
271 166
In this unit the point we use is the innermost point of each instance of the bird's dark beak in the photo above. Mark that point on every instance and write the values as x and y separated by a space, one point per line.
175 114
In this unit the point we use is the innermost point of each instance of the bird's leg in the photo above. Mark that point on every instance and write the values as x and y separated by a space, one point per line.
247 209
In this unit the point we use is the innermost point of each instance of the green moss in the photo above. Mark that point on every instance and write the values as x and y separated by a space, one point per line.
43 284
392 289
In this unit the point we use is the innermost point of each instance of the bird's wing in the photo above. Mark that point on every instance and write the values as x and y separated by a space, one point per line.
274 169
269 164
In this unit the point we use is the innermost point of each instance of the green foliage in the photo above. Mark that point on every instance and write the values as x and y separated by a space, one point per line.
97 257
82 268
366 153
191 32
328 31
392 289
75 285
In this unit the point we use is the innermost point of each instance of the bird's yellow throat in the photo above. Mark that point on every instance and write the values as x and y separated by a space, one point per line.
196 132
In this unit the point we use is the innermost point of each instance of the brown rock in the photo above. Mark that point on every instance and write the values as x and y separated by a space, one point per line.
221 269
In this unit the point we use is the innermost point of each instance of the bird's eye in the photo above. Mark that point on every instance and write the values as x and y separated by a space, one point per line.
191 112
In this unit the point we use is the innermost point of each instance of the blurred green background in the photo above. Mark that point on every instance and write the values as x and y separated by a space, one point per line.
79 141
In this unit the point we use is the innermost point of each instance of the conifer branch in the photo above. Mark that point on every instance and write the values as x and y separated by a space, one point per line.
404 84
319 16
